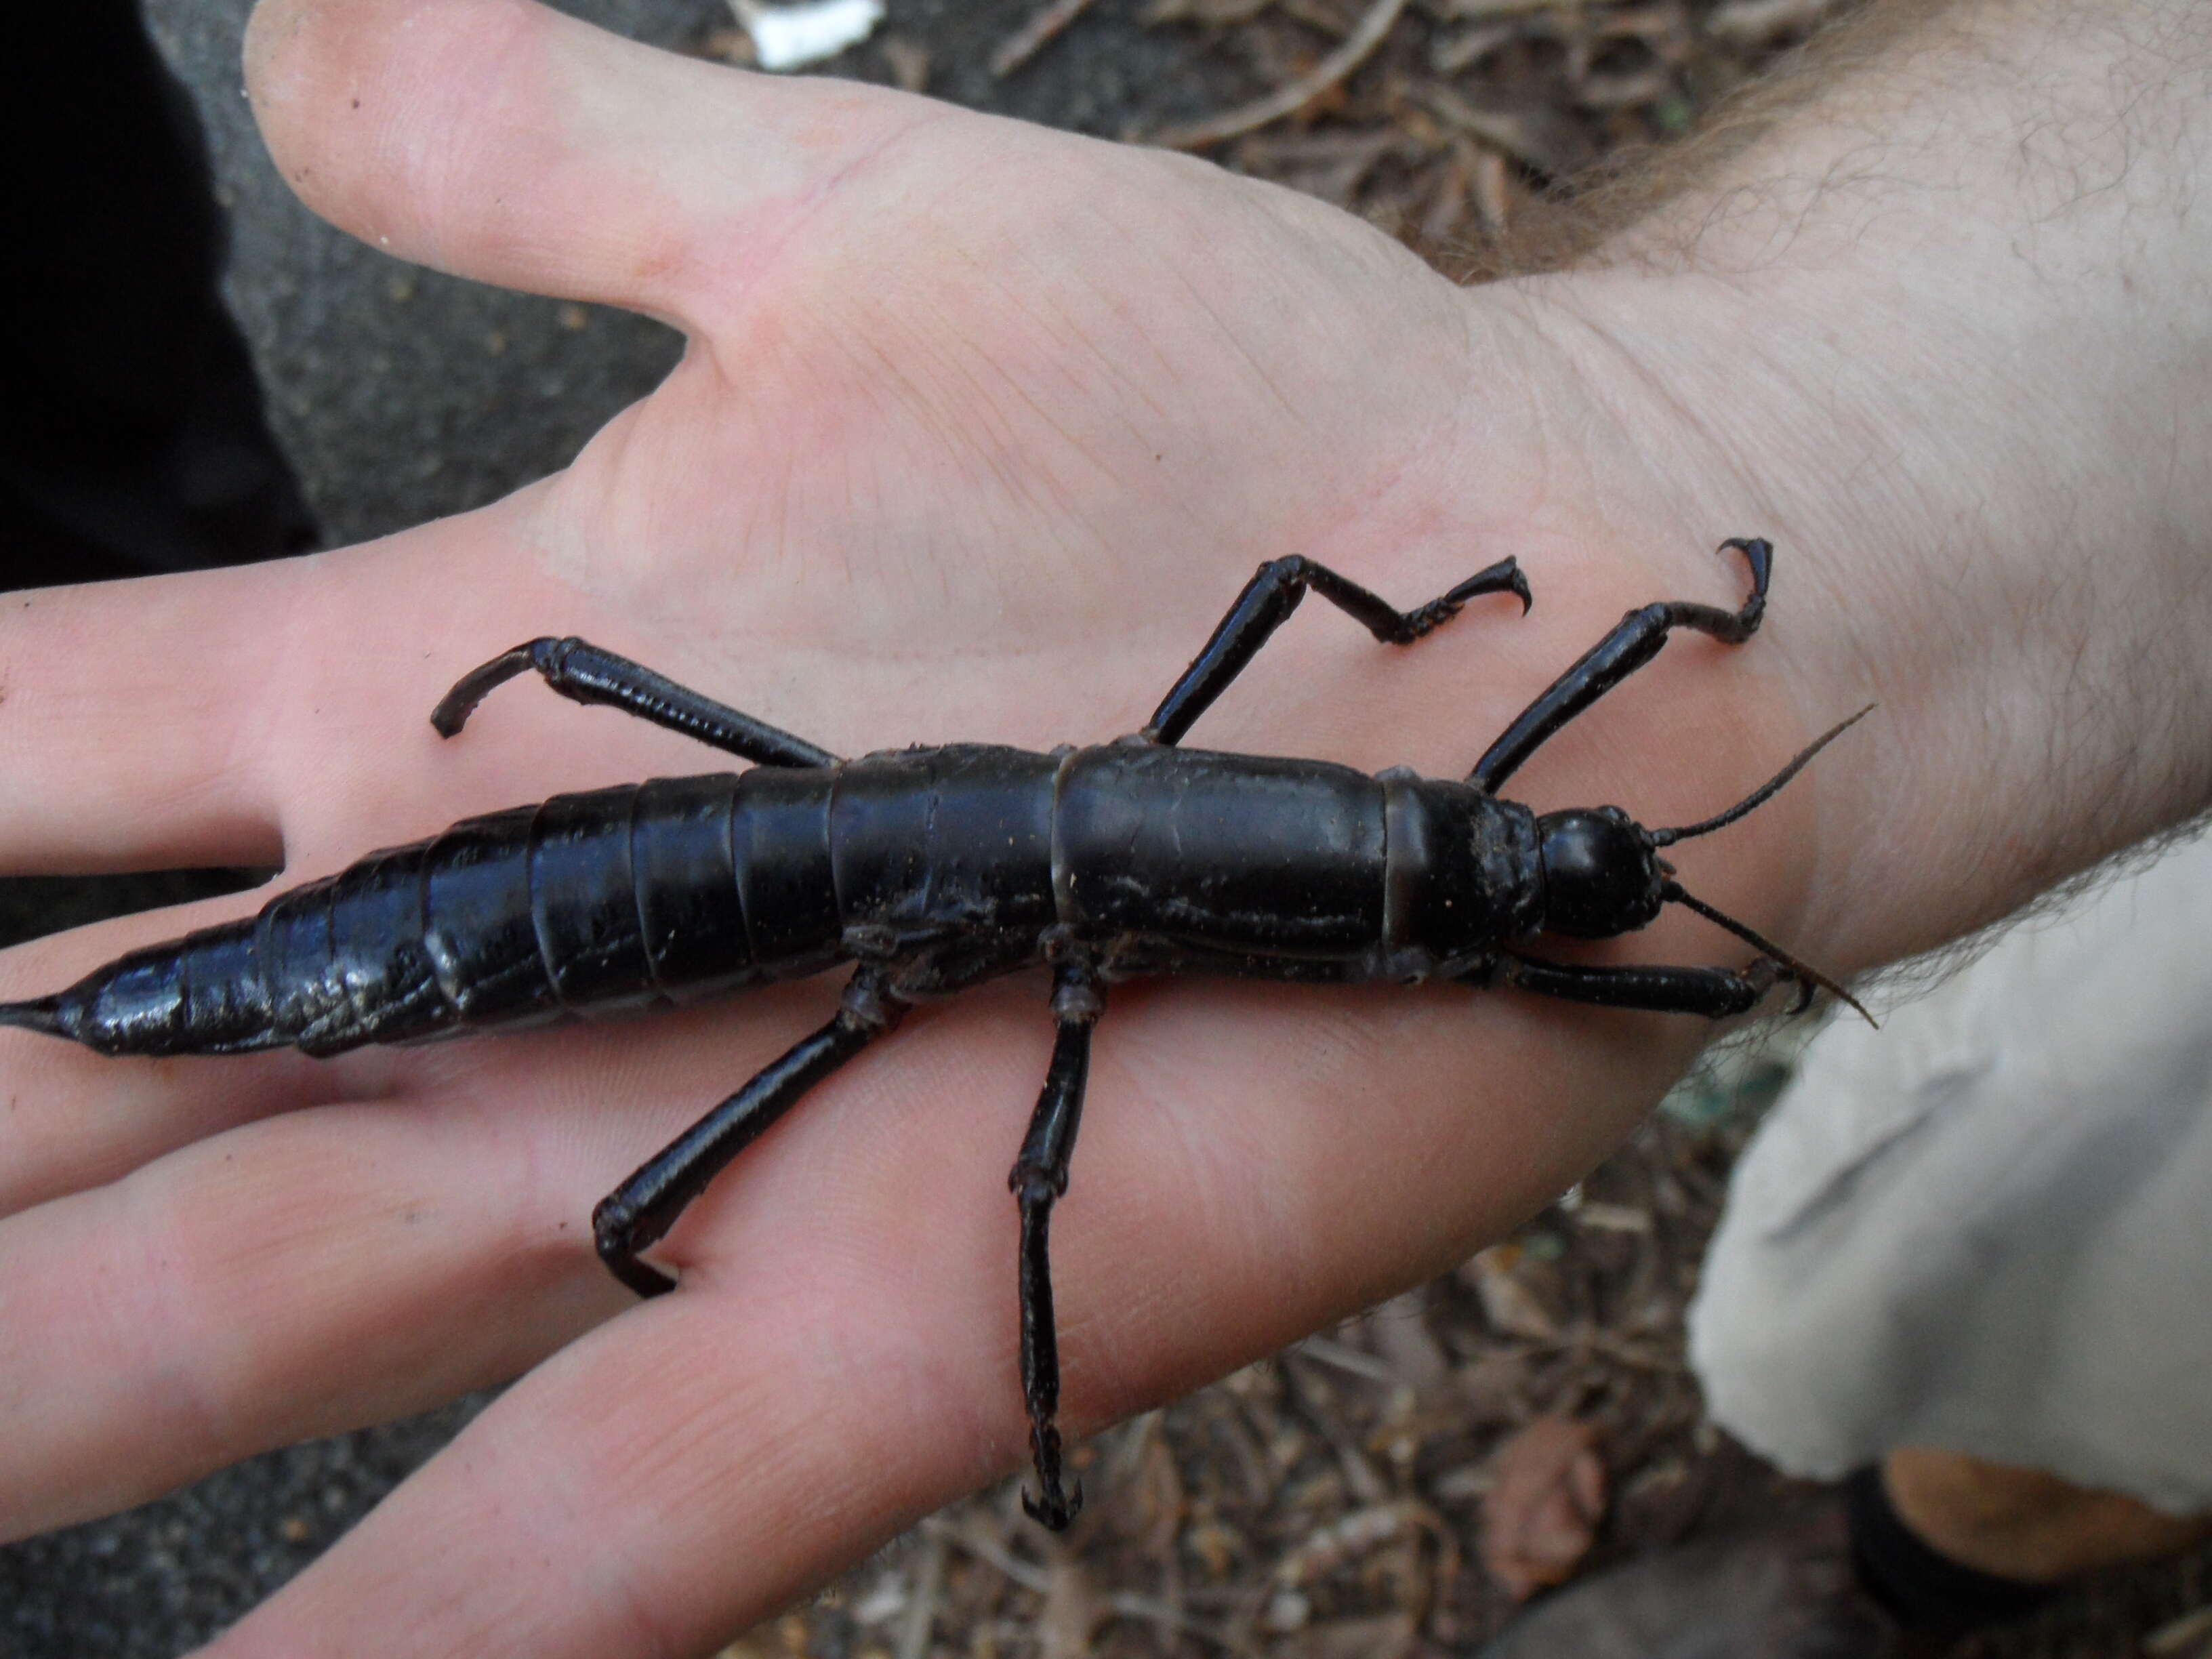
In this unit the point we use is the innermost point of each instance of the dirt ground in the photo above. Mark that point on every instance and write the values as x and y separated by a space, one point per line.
1330 1502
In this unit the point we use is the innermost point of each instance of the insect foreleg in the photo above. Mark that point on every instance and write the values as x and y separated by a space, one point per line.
637 1214
1040 1177
1633 643
1715 993
583 673
1267 603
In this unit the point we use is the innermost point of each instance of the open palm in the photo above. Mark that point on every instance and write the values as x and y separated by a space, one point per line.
981 428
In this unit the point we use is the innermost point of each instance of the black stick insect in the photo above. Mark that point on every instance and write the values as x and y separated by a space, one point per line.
933 869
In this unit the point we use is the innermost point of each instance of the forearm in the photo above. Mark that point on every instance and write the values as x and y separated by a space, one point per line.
1944 333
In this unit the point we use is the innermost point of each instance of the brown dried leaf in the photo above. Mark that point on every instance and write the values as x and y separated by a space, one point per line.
1541 1517
1510 1306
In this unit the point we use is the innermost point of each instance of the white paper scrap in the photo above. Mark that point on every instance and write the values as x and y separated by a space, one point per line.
791 37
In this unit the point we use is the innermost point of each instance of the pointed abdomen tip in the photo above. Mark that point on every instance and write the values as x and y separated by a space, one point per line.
40 1015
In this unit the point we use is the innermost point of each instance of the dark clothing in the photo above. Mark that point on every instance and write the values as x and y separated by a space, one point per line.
132 435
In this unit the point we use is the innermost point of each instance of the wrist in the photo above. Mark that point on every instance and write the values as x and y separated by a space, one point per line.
1969 410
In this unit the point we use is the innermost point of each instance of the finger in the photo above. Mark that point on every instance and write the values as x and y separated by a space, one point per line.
74 1119
294 1277
337 1265
274 711
814 1385
570 1519
499 140
120 722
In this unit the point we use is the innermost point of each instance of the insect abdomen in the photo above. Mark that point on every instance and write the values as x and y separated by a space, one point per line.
587 904
594 903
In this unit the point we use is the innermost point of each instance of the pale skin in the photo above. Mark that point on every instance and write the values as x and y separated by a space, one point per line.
981 428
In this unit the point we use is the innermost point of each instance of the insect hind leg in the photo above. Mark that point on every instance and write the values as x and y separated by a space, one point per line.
1039 1180
1634 640
582 672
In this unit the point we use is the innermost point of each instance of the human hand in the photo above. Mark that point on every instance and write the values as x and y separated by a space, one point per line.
981 428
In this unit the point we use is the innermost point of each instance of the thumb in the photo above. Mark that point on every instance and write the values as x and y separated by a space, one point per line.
499 140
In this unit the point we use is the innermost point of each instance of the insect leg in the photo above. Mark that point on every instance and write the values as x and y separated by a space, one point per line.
1630 645
1715 993
637 1214
1267 603
1039 1177
582 672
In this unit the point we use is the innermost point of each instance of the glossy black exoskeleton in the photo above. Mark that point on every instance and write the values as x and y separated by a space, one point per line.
934 869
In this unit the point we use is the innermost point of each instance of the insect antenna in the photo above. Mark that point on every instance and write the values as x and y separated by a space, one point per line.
1804 972
1765 793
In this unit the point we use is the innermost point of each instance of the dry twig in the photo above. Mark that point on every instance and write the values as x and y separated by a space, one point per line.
1288 100
1026 42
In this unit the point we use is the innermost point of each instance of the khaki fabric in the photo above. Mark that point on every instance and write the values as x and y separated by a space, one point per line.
1988 1227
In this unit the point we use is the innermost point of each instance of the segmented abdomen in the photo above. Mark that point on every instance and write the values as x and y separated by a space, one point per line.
588 903
602 902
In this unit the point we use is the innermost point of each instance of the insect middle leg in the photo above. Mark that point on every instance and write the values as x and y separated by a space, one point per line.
1266 604
580 671
638 1214
1633 643
1039 1178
